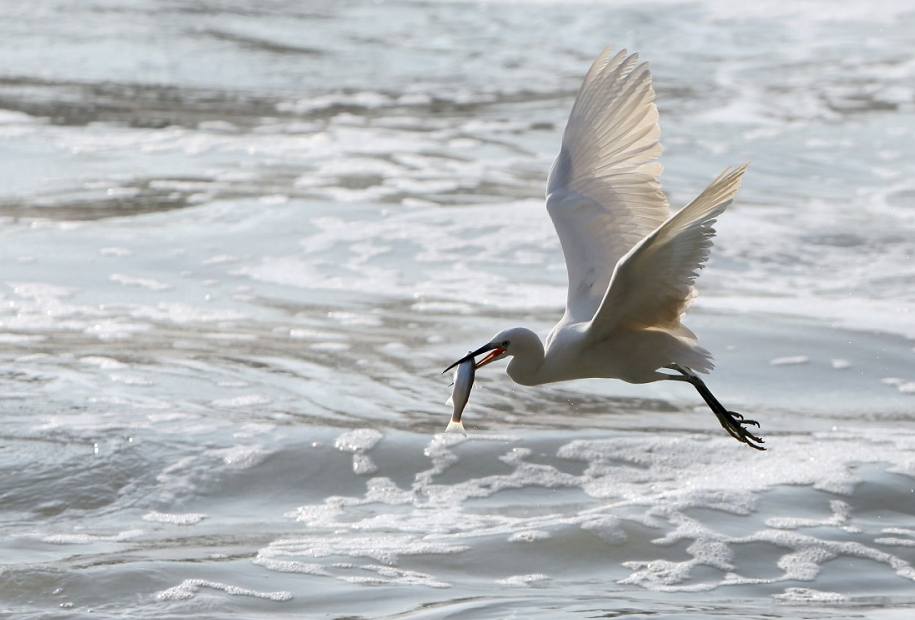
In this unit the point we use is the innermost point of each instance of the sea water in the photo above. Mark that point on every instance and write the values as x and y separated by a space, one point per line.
240 240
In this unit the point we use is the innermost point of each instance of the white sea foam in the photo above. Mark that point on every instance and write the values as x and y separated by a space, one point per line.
84 538
904 386
385 548
608 528
114 329
128 379
246 400
316 334
292 566
388 575
363 464
189 588
183 313
11 117
191 518
793 360
242 457
529 536
841 513
116 251
533 579
8 338
330 346
230 337
105 363
359 440
895 542
149 283
808 595
665 478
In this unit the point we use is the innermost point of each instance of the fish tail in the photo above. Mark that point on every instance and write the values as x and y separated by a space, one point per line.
456 427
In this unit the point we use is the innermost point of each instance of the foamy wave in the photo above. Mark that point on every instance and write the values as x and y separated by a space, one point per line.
87 538
534 579
701 495
189 588
359 442
192 518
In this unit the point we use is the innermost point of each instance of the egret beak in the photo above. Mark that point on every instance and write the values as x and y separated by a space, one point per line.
496 352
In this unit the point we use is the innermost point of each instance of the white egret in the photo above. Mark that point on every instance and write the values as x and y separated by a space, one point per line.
631 264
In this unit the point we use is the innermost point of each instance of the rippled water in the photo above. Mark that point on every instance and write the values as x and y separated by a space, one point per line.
240 241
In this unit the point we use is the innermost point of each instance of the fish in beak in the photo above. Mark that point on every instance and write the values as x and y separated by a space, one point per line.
463 382
494 350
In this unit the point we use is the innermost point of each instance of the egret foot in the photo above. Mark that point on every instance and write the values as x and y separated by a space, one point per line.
734 423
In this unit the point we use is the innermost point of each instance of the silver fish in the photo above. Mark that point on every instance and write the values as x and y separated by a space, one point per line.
463 381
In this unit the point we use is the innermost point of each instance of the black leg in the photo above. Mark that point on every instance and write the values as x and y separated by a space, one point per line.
731 421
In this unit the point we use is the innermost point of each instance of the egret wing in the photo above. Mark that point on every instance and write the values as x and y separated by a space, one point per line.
653 284
603 193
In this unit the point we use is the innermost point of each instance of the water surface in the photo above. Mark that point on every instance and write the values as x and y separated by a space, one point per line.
240 241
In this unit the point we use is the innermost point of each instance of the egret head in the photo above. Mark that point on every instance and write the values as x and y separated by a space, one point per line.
498 347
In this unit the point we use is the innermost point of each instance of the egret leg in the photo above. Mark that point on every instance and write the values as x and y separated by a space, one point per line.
733 422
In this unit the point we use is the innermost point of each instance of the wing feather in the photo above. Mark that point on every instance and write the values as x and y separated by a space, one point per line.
603 193
653 284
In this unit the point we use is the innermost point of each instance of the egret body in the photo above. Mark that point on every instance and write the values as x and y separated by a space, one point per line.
631 264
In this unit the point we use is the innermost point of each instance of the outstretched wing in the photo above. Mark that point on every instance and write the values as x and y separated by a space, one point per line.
603 193
653 284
